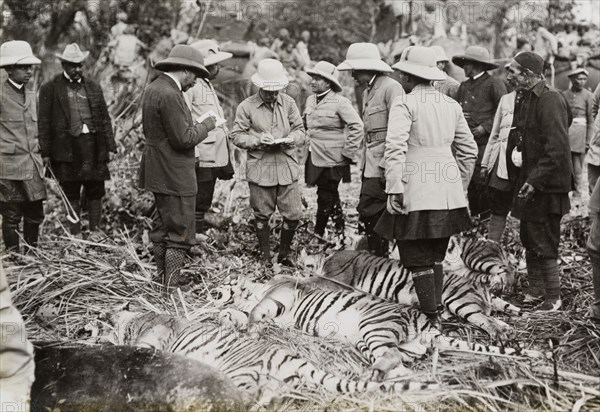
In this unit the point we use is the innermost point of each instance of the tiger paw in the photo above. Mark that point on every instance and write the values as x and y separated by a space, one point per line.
385 363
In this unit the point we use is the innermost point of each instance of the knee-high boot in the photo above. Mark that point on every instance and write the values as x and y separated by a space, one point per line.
496 227
287 235
263 234
549 271
377 245
31 233
94 213
535 290
10 235
159 249
175 260
424 282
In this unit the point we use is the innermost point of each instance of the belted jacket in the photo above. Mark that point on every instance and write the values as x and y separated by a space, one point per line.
377 102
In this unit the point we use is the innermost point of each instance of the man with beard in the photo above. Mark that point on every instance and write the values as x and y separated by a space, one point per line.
479 96
539 162
76 135
167 167
364 60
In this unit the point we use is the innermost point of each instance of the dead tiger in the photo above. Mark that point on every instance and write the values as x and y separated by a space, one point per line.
387 333
474 270
256 366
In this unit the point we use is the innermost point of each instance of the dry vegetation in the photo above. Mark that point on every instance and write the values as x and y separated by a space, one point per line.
67 286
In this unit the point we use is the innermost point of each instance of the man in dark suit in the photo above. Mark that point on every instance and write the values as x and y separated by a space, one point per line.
168 164
539 161
76 135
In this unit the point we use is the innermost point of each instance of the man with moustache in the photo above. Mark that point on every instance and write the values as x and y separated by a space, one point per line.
364 60
269 127
479 96
167 167
539 161
76 135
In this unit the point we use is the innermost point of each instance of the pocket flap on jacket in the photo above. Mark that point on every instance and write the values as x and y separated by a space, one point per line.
375 109
334 144
8 148
256 154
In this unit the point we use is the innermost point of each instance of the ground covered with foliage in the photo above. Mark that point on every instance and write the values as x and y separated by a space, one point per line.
67 286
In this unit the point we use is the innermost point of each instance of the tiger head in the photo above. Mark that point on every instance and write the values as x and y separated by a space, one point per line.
278 300
481 255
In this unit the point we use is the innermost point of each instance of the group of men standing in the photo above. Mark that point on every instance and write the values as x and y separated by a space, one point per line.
427 159
70 138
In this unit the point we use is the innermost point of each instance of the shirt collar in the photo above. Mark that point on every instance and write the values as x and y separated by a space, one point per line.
69 78
17 86
279 100
478 75
372 81
175 80
320 95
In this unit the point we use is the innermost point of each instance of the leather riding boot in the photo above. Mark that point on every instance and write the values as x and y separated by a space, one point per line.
94 213
424 282
263 233
496 227
287 235
175 260
31 233
549 271
10 235
595 315
438 274
377 245
338 221
321 222
535 290
159 250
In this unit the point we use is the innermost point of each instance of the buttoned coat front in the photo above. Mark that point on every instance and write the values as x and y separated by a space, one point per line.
167 165
418 159
213 151
503 122
544 125
54 125
19 148
334 130
479 100
377 102
582 128
275 165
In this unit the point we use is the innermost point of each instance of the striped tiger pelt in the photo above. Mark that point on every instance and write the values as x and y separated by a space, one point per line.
473 268
256 366
387 334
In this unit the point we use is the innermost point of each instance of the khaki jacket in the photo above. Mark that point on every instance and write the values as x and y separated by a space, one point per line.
20 157
269 165
377 102
214 150
334 129
496 147
418 159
